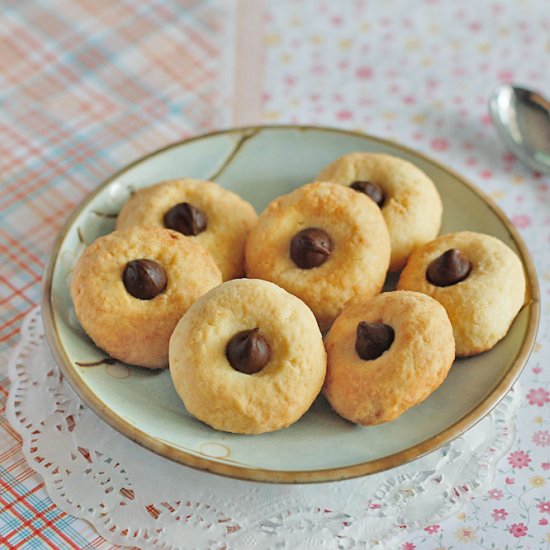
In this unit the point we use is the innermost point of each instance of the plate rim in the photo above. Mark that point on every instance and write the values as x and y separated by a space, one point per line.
203 463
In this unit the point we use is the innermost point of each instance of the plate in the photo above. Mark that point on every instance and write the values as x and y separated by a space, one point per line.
261 163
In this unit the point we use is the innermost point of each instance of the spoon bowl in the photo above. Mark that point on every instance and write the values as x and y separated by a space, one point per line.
522 119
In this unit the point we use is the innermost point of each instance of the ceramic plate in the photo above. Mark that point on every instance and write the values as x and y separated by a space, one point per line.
260 164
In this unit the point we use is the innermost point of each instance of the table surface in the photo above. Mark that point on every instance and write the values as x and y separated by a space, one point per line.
89 86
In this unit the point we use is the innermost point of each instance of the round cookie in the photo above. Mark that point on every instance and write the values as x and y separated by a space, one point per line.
386 355
248 357
131 287
408 199
324 243
216 218
478 280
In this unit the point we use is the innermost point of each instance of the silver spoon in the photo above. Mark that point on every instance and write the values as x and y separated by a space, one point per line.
522 119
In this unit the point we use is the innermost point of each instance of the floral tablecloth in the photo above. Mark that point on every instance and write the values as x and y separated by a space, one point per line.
89 86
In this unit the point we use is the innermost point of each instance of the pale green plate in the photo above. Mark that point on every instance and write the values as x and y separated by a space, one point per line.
261 164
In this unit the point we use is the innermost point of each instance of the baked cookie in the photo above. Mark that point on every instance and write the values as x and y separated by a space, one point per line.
478 280
324 243
408 199
216 218
248 358
131 287
386 355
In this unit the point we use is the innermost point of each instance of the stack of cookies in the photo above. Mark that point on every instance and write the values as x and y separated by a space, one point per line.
247 355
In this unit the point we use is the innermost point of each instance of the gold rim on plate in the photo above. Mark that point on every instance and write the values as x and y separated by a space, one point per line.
177 454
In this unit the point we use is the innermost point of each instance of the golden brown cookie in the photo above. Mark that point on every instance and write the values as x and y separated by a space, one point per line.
408 199
324 243
386 355
216 218
131 287
248 357
478 280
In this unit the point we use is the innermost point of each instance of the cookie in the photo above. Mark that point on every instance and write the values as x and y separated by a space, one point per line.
214 217
131 287
408 199
324 243
478 280
247 358
386 355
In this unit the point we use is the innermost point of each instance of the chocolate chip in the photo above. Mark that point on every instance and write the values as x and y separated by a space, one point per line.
448 269
144 279
186 219
248 351
372 190
310 248
373 339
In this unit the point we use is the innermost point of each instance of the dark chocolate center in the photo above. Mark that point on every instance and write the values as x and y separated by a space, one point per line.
373 339
186 219
144 279
448 269
248 351
372 190
310 248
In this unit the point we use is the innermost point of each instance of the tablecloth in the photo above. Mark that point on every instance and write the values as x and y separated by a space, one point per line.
88 86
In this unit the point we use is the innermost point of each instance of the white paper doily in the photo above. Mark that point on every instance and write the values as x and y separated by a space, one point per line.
136 498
